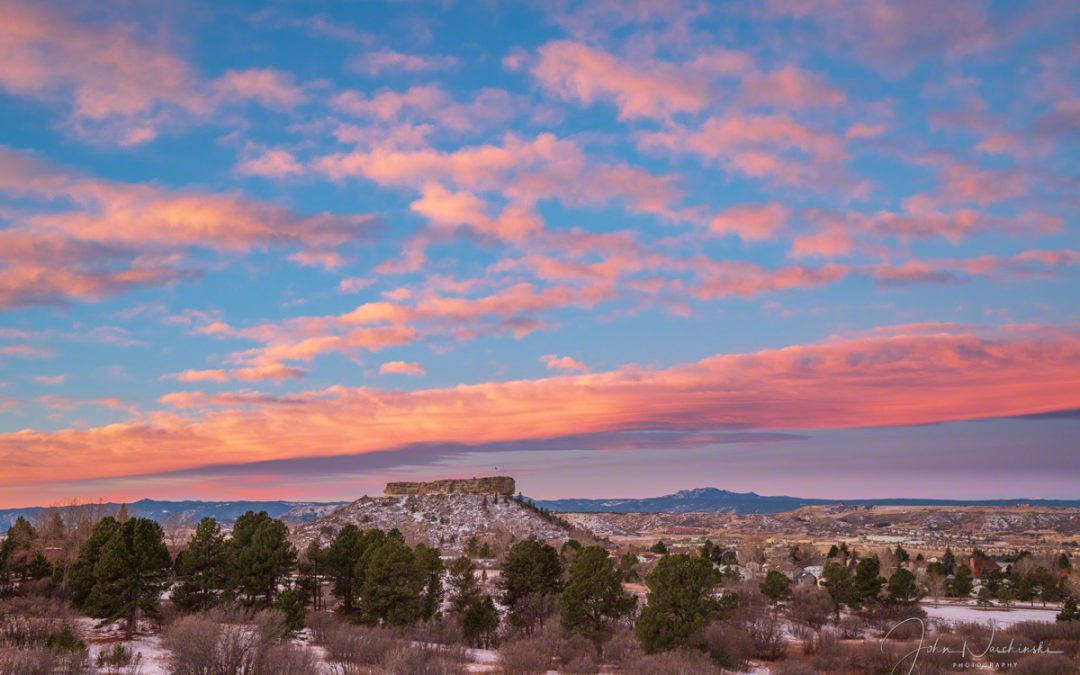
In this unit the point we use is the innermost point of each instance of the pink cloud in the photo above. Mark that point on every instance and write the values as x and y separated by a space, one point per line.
564 363
791 87
401 368
272 88
387 60
751 222
50 379
110 236
774 147
272 163
575 71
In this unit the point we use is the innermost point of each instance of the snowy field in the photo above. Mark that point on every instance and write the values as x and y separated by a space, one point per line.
1002 617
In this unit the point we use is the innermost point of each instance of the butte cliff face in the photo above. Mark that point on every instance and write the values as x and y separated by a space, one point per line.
445 514
489 485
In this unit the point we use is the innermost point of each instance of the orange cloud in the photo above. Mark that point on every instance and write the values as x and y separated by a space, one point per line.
899 379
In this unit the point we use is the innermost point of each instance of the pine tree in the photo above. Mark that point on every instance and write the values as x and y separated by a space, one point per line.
341 557
291 604
593 599
131 573
776 586
868 582
1069 611
81 578
679 604
948 560
902 588
838 583
531 574
430 566
464 589
310 569
393 586
260 557
961 585
481 622
122 516
20 555
201 569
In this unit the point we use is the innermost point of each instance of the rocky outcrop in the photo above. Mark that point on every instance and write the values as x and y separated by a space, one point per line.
489 485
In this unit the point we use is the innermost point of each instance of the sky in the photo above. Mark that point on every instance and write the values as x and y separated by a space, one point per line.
294 250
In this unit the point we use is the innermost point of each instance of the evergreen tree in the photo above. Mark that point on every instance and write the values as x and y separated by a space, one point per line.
464 588
962 584
1063 563
593 599
260 557
659 548
430 566
393 586
131 573
481 622
81 579
201 569
679 604
839 585
902 588
20 557
628 567
531 573
776 586
310 569
834 552
901 555
1069 611
868 582
949 561
291 604
341 557
122 516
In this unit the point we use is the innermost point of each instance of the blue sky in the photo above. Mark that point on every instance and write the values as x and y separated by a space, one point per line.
265 232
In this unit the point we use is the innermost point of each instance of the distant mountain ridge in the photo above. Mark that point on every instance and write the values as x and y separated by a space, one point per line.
714 500
192 511
703 500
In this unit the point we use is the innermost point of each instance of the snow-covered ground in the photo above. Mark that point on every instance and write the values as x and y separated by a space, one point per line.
1003 618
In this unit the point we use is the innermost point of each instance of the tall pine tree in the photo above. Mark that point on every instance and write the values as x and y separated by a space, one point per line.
131 573
201 569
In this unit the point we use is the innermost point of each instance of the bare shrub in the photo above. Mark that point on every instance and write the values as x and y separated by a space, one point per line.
766 636
729 645
42 661
810 606
622 646
445 631
198 645
1060 636
525 657
1045 664
851 628
358 645
684 662
423 660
